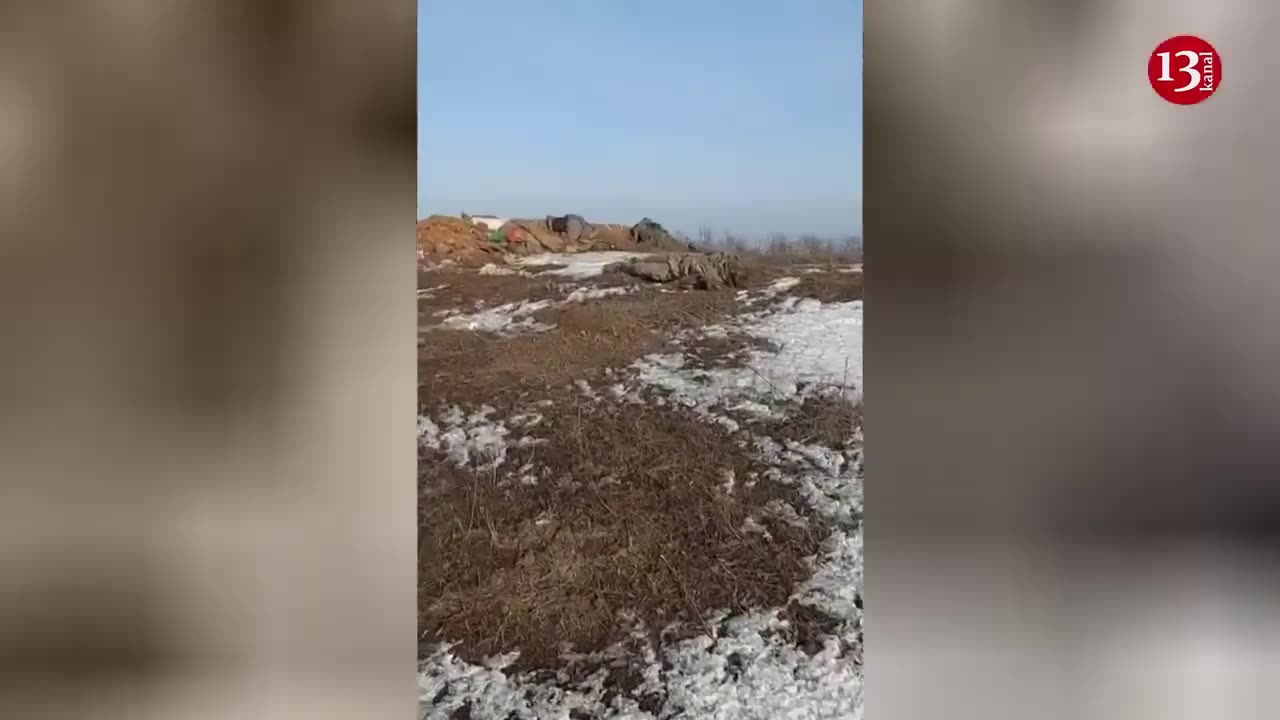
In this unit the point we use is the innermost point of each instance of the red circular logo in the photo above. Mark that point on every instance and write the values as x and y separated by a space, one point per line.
1185 70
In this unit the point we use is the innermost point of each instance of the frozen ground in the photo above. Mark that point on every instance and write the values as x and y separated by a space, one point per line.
740 667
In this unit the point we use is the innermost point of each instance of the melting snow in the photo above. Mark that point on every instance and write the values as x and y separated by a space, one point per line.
781 285
466 440
512 318
578 265
588 293
507 319
817 345
491 269
739 670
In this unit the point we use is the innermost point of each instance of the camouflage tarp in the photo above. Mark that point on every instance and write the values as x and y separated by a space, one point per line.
709 272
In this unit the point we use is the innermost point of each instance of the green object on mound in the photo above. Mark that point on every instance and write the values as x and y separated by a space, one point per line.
498 237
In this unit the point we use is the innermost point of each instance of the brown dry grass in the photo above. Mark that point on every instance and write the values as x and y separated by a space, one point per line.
829 419
829 286
610 332
722 351
464 290
631 515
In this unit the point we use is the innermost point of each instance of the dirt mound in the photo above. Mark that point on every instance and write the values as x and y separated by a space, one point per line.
529 236
462 240
441 237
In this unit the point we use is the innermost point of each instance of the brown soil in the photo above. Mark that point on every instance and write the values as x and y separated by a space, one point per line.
441 237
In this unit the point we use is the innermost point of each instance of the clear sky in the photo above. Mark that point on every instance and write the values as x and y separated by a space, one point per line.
741 115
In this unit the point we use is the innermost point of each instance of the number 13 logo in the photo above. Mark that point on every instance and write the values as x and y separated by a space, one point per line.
1184 70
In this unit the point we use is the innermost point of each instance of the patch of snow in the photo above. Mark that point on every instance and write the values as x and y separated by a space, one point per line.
816 344
466 440
525 420
819 343
728 481
836 586
505 319
781 285
727 423
845 269
585 388
625 394
830 481
492 269
703 390
589 293
768 292
741 669
713 331
429 291
577 265
752 525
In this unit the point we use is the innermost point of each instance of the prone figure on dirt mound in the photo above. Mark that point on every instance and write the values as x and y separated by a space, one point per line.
572 227
708 272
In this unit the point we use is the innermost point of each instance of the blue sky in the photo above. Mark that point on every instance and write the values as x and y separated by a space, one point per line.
741 115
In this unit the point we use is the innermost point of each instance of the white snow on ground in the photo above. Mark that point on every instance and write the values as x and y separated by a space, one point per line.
819 345
589 293
512 318
466 439
491 269
578 265
846 269
508 318
781 285
771 290
739 670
